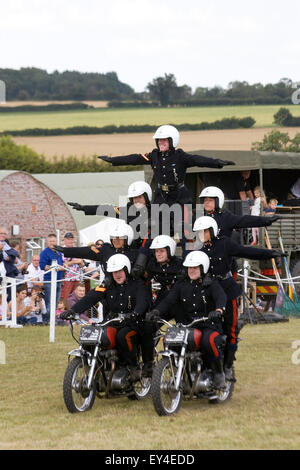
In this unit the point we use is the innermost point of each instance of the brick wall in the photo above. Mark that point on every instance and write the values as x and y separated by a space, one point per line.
37 210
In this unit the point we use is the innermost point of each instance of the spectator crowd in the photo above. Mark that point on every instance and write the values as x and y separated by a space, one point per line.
33 289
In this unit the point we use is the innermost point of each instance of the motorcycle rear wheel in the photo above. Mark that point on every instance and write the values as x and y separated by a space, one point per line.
77 397
165 399
224 395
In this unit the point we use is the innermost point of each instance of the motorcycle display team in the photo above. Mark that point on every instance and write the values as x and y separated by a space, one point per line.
177 341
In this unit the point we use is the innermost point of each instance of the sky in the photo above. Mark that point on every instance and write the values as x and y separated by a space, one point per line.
202 43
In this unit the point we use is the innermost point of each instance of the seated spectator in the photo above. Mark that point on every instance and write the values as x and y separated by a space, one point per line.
21 265
62 305
35 275
271 208
22 311
76 295
71 280
37 305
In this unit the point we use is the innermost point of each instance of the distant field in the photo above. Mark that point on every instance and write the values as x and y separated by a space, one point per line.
105 116
124 144
96 104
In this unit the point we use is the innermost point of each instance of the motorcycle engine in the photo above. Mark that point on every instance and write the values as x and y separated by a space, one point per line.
120 379
204 382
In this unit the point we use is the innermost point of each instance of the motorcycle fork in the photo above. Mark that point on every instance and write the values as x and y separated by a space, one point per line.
181 362
93 365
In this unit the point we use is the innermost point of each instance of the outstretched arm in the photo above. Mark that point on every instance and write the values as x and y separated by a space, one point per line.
133 159
199 160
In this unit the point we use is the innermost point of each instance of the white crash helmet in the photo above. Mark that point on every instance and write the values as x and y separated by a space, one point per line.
138 188
197 258
164 241
122 231
167 132
213 192
118 262
202 223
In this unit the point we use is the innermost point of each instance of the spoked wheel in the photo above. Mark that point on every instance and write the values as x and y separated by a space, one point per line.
225 394
77 397
165 398
141 389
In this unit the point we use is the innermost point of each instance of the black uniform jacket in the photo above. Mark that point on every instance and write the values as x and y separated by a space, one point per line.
100 254
169 168
164 274
195 298
132 296
227 221
221 251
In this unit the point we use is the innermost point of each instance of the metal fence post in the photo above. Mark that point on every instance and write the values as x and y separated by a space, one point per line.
13 286
4 301
53 301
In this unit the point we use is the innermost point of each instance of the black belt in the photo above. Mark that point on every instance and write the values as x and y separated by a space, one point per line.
170 187
221 277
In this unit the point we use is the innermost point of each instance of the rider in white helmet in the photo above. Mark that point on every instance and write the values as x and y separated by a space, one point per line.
213 200
169 165
194 297
126 297
221 250
121 237
136 213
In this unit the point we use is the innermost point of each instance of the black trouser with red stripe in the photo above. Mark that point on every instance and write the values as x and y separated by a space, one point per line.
125 340
211 344
230 327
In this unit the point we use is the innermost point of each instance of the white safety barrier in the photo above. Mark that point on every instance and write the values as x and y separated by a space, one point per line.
12 283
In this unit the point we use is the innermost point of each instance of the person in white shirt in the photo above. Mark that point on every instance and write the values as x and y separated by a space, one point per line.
35 276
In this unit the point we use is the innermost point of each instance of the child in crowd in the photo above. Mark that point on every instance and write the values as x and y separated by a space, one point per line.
62 305
259 198
271 208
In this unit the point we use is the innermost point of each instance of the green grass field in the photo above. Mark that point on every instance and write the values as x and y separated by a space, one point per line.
104 116
263 413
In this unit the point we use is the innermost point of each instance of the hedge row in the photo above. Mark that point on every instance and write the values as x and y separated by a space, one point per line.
46 107
226 123
203 102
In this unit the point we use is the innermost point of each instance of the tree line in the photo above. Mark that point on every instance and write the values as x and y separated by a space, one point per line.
36 84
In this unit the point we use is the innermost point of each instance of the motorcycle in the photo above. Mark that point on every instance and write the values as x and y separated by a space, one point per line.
183 372
96 371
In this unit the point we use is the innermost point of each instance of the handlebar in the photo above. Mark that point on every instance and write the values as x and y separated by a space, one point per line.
197 320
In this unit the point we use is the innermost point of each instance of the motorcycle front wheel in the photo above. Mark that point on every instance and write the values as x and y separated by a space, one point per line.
77 397
141 389
166 399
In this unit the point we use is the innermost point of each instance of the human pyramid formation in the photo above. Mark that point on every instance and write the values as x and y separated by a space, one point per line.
199 283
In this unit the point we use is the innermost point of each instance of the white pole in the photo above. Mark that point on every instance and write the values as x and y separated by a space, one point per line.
53 302
13 322
4 301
